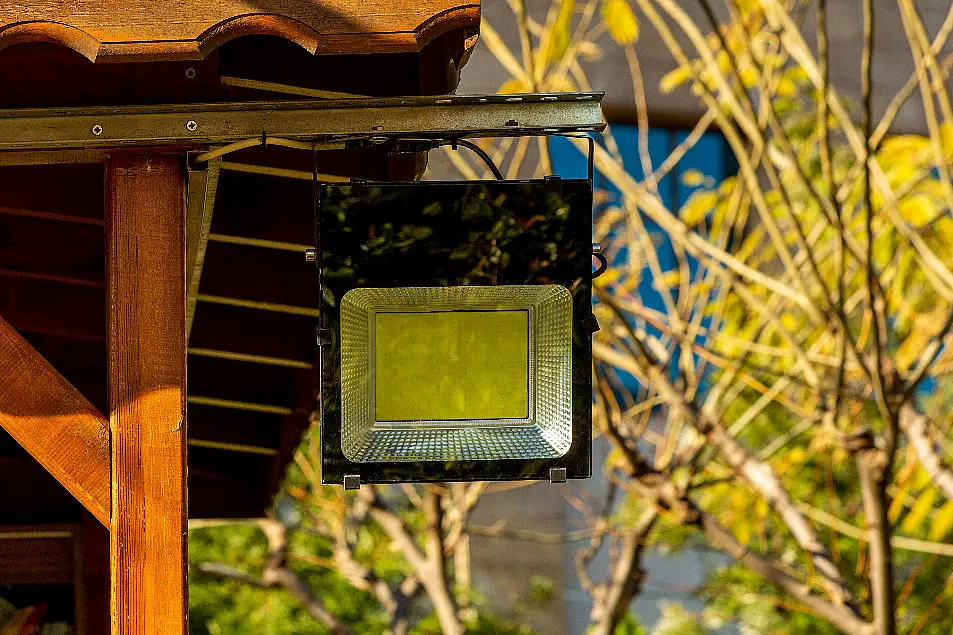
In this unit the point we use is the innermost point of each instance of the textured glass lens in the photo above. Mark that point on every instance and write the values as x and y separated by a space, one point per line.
456 373
452 365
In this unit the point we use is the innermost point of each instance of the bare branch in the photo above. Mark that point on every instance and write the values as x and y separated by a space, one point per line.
871 466
429 568
840 616
915 426
897 542
611 601
277 575
757 473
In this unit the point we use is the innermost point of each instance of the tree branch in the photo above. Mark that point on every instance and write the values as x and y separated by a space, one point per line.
840 616
277 575
871 466
658 487
611 600
758 473
426 569
915 426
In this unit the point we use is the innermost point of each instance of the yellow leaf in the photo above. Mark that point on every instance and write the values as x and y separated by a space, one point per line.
946 138
896 505
921 509
669 279
919 209
786 87
514 86
912 347
621 21
942 522
749 77
698 207
693 178
559 37
608 277
903 147
944 229
797 455
673 79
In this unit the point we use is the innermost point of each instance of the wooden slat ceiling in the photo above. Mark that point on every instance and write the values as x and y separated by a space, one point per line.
251 375
175 30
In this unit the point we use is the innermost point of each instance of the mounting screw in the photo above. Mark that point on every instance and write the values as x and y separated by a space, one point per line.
190 73
97 130
191 126
310 255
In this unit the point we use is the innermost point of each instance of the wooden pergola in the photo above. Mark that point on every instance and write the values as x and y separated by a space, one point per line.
116 277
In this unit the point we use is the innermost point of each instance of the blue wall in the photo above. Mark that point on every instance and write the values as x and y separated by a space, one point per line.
710 156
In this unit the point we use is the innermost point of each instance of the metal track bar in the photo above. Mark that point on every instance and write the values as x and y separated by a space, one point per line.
198 125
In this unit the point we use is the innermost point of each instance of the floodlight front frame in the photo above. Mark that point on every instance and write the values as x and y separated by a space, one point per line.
545 431
554 251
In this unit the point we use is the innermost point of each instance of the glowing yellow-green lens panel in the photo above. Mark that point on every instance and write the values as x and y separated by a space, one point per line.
452 365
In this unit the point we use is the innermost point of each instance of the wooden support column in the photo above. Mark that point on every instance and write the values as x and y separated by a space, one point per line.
145 228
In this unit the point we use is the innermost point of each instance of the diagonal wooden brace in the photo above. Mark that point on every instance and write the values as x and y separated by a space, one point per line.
55 423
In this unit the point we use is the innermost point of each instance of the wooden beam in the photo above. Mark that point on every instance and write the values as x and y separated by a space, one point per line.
145 228
200 203
54 423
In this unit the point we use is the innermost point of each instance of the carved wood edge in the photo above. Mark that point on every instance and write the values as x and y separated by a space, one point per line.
308 37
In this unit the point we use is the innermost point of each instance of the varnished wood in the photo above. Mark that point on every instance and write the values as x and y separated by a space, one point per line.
54 423
145 226
167 30
200 203
38 554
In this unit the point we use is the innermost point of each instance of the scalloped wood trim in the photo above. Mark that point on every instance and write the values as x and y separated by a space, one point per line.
381 29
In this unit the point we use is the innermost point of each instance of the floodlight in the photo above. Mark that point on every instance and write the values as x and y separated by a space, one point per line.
456 373
455 341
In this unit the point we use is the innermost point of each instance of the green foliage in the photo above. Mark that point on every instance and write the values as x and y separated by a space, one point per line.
676 620
236 608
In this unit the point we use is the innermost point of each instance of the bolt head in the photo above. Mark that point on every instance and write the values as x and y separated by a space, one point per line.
190 73
97 130
191 126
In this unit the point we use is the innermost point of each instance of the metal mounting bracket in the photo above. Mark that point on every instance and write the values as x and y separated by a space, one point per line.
364 121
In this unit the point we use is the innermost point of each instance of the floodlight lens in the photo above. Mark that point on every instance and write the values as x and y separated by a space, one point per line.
452 365
456 373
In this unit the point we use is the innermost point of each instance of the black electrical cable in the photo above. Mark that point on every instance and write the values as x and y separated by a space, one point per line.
480 152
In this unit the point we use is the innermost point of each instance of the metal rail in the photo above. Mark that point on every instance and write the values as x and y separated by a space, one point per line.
359 120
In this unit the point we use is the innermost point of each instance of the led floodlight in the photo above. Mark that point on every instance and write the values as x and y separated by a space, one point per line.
455 333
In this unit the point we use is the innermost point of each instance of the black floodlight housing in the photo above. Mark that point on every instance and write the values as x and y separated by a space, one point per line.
456 331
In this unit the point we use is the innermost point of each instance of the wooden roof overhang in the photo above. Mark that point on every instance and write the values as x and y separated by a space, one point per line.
92 366
175 30
250 378
93 200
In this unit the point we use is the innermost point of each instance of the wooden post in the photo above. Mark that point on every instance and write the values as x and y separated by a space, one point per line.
145 228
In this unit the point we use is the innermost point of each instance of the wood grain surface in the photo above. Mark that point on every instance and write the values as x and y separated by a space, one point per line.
144 30
54 422
145 229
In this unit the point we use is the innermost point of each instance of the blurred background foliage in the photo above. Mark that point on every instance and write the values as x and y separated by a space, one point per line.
785 401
